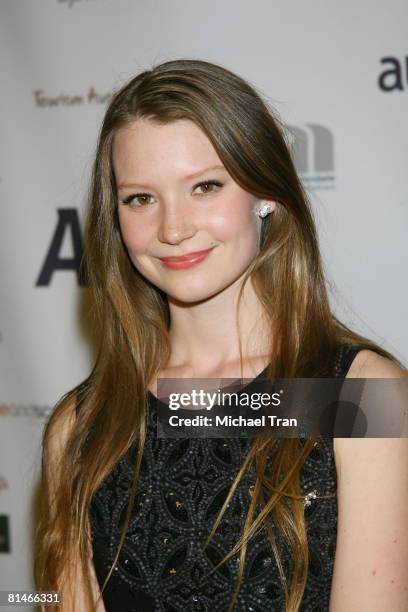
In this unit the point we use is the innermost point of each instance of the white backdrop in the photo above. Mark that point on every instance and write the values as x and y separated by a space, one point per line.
337 74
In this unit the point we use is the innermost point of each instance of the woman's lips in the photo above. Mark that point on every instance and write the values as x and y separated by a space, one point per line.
185 261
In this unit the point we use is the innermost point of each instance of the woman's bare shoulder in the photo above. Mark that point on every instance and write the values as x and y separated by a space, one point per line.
366 364
369 364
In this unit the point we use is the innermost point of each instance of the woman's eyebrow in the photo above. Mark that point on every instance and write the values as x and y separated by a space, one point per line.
200 172
188 177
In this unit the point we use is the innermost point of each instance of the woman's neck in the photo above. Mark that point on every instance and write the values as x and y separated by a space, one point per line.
204 335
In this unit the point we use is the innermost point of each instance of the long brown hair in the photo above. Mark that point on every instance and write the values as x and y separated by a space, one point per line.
133 318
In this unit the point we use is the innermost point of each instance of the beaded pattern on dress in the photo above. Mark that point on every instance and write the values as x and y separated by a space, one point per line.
182 486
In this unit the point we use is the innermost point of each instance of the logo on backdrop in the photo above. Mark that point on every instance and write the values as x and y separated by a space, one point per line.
3 483
70 3
394 76
92 96
67 225
33 411
4 534
313 152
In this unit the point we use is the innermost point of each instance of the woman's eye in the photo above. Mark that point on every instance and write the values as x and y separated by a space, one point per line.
208 186
137 199
142 199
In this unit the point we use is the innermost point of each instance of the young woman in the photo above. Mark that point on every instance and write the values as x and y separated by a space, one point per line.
202 257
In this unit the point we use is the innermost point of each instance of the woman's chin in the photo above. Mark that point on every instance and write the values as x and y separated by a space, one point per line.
190 295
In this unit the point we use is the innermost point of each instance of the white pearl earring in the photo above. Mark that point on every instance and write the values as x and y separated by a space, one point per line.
265 210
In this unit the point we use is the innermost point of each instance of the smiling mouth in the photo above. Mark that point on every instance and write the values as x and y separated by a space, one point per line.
187 257
185 261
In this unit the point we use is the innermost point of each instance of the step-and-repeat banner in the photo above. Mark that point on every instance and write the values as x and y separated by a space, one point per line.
337 73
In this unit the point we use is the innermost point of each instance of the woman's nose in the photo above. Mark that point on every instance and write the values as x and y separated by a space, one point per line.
176 224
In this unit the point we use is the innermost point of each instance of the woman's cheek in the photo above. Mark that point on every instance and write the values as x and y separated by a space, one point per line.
134 239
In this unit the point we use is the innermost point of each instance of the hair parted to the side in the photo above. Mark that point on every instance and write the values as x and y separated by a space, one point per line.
133 318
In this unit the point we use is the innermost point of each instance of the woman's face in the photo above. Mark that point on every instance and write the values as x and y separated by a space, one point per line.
165 211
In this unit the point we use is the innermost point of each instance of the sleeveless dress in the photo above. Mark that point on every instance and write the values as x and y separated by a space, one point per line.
182 486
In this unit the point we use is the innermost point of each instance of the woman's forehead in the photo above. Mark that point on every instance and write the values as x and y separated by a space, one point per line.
179 148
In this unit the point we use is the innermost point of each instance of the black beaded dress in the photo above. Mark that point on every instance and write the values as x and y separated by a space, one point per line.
183 483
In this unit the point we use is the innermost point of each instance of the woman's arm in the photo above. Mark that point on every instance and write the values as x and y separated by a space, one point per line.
73 589
74 593
371 562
